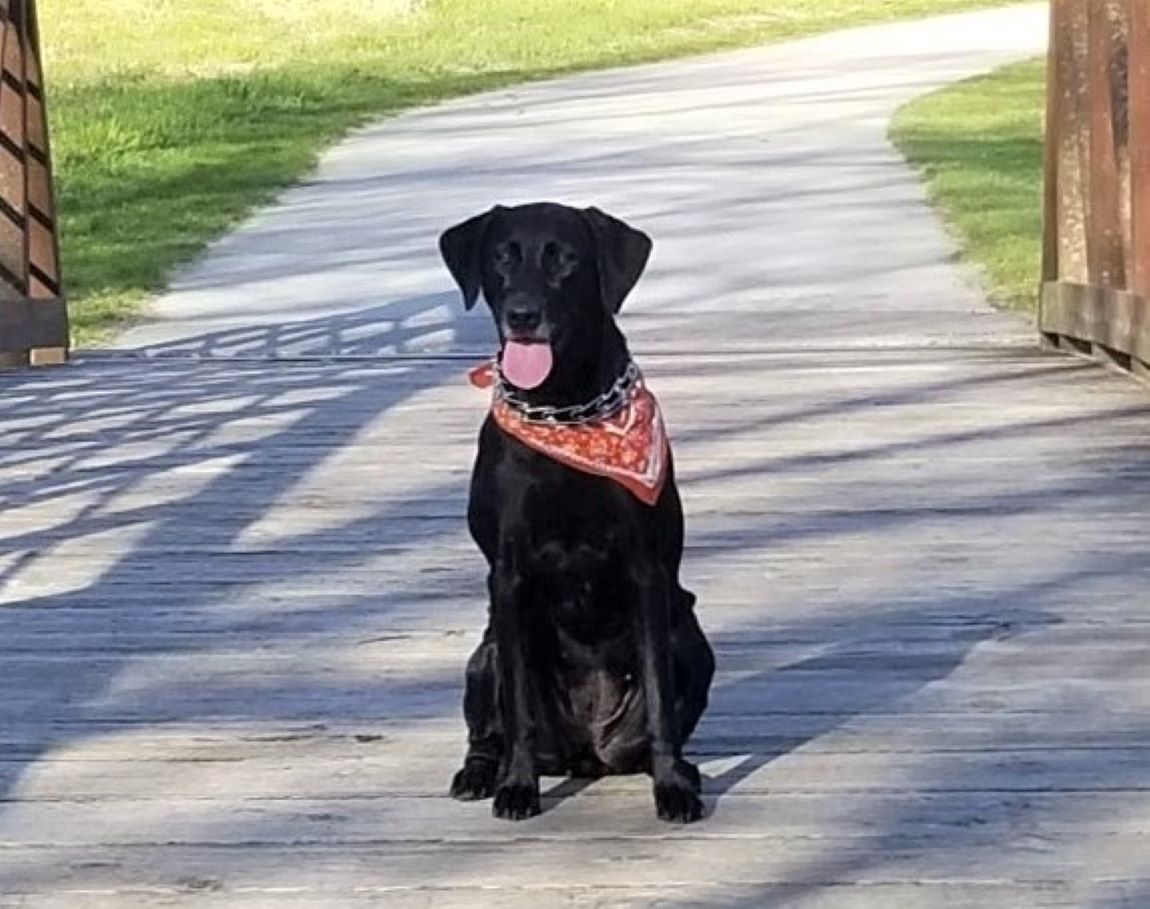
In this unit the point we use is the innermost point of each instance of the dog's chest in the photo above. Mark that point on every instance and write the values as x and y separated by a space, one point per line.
577 583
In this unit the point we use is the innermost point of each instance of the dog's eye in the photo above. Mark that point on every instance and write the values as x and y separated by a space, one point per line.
504 255
562 256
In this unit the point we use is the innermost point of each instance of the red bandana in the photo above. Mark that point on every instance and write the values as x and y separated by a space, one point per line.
629 447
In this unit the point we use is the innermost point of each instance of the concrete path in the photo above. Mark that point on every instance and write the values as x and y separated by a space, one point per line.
236 595
781 214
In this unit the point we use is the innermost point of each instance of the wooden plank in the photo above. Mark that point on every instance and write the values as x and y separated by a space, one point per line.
689 863
201 894
45 282
1055 118
1105 235
405 767
878 732
1120 12
1115 319
40 637
405 661
276 624
16 359
1073 51
567 817
130 748
29 245
1139 120
48 356
140 697
13 130
26 324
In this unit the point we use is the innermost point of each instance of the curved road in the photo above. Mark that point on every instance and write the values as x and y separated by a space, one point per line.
781 214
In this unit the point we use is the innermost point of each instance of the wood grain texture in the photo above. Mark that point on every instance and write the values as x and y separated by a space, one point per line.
1139 78
1106 252
33 320
27 323
1097 245
237 599
1116 321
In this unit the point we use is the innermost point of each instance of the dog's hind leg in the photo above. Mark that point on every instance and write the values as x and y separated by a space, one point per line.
623 741
476 779
693 667
676 786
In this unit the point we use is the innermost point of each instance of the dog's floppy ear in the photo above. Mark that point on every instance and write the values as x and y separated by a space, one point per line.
622 253
461 247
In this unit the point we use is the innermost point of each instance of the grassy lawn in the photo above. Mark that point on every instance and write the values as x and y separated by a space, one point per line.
173 119
979 145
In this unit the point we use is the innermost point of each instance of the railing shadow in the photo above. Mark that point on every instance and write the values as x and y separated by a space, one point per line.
146 505
193 462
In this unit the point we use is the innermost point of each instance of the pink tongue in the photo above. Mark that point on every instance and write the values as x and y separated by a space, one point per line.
526 366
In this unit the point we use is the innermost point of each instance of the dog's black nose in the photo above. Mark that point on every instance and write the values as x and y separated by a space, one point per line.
523 318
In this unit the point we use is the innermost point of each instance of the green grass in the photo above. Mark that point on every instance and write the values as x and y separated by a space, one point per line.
979 145
172 119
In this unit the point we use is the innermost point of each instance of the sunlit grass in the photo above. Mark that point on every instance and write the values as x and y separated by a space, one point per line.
979 145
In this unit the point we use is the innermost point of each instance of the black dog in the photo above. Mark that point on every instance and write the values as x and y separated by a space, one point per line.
593 662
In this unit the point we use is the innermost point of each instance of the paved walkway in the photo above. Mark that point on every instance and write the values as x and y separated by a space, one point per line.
236 595
765 177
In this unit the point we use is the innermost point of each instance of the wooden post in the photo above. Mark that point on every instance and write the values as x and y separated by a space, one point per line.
1096 251
33 314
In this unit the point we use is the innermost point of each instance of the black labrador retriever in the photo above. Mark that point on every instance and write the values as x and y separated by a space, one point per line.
593 662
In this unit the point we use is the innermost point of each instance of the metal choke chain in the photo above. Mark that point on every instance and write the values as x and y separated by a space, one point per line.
598 408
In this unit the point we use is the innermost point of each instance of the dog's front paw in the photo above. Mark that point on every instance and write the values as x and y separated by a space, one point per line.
516 800
474 781
677 799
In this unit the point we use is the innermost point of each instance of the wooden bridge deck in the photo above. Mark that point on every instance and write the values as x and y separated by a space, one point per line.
236 595
235 601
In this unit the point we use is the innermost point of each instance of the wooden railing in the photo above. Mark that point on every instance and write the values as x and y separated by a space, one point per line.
1096 262
33 315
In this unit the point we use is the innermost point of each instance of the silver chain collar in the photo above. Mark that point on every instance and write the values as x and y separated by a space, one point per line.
598 408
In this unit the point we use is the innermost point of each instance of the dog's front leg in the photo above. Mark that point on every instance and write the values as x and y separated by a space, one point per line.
517 793
676 782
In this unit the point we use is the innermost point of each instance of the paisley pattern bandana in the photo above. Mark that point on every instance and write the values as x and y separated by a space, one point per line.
630 446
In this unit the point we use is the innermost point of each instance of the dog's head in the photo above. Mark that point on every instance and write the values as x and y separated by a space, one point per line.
553 276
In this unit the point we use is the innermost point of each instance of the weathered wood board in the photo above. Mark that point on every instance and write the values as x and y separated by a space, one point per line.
236 599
